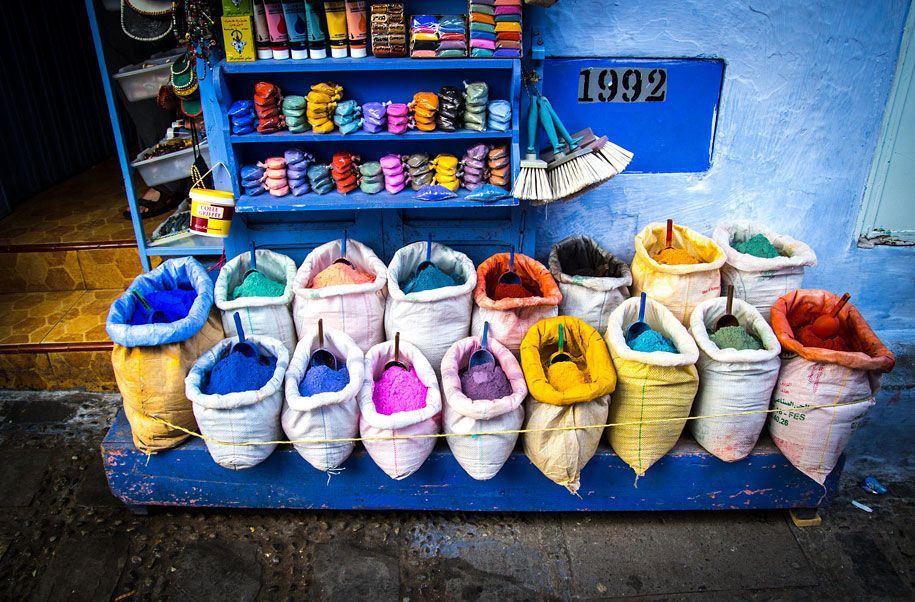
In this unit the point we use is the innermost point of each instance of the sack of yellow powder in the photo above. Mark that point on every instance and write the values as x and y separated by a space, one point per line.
254 297
761 280
151 360
593 282
580 400
356 309
655 390
811 436
511 317
732 380
432 309
679 287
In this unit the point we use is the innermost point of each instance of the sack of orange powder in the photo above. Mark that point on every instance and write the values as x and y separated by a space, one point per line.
822 395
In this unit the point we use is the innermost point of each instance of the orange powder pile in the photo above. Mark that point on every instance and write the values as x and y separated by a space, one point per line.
808 338
675 257
338 274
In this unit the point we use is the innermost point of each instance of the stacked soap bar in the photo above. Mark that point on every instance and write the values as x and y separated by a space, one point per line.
495 28
438 36
389 30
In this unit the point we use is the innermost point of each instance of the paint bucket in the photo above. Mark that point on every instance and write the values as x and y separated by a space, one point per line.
211 212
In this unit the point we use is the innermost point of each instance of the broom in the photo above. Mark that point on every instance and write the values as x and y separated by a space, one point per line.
616 156
533 183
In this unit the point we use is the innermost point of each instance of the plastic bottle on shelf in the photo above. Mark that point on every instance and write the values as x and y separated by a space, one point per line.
336 27
296 28
317 41
261 31
276 24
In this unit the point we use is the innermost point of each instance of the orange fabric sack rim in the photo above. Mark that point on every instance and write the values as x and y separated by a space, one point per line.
534 277
802 306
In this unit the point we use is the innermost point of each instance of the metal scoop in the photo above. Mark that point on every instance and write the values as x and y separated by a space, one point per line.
154 316
561 355
510 277
321 356
728 319
244 348
252 268
639 326
342 259
428 262
483 355
396 363
827 325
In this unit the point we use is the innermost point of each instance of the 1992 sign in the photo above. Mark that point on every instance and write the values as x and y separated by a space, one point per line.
622 85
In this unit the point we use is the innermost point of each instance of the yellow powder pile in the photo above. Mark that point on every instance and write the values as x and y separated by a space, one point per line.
565 375
675 257
339 273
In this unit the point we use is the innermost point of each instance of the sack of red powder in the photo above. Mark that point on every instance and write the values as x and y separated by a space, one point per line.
483 409
679 287
325 414
510 318
356 309
845 382
760 280
399 404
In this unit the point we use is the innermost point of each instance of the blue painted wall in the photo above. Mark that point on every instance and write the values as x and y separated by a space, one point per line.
802 101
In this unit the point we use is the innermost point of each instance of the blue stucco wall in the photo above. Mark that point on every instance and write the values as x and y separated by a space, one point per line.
800 113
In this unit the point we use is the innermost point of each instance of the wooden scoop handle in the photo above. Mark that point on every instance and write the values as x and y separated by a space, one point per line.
730 304
321 334
397 348
670 233
840 304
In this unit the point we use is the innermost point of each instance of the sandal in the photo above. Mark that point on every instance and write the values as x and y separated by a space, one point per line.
166 202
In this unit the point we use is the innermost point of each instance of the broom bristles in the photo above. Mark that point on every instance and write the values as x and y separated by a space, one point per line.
533 185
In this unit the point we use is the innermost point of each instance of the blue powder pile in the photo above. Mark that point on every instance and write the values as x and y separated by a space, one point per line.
429 279
322 379
175 304
651 341
236 373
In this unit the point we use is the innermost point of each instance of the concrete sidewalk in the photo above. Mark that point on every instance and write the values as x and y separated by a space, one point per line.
62 534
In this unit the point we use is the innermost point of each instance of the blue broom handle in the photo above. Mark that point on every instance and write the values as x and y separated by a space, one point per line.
571 142
550 128
532 119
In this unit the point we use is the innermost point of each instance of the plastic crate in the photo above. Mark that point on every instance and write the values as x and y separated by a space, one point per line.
170 167
141 83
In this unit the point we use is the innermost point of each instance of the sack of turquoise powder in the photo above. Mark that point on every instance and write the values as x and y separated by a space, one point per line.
324 415
391 438
593 282
432 308
760 281
228 422
732 381
260 315
484 455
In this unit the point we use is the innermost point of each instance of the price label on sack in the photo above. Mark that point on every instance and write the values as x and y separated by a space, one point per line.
621 84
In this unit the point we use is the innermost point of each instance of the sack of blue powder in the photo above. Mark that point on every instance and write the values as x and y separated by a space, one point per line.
151 359
322 401
482 398
262 296
230 420
430 307
738 369
656 383
758 276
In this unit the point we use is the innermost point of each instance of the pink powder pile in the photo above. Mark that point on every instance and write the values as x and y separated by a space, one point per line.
398 390
339 273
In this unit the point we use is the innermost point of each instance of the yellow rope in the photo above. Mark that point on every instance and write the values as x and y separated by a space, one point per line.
485 433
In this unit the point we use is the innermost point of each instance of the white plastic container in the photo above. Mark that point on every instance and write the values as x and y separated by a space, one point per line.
144 82
170 167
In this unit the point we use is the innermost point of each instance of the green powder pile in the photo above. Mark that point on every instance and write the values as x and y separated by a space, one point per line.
735 337
758 246
256 284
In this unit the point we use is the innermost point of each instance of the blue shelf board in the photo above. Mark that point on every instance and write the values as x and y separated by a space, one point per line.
334 201
364 64
366 136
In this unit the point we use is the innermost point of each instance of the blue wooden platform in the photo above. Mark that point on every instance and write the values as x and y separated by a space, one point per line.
688 478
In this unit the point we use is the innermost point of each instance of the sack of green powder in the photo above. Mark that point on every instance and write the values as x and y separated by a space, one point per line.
651 386
732 381
151 360
430 318
593 282
562 454
265 315
760 280
510 318
822 395
481 456
356 309
678 287
228 422
391 436
325 415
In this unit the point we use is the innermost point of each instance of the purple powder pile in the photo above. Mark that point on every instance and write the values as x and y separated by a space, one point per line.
322 379
237 373
398 390
485 381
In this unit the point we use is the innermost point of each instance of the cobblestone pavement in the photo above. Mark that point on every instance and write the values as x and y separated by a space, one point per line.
63 536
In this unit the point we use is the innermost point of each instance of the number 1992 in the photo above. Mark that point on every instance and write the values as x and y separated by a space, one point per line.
622 85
